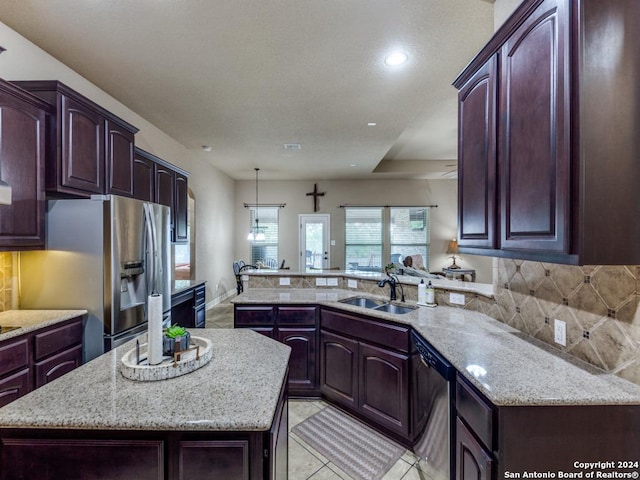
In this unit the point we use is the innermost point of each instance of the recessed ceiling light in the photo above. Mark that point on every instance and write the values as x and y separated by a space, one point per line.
353 165
371 124
292 146
396 58
207 148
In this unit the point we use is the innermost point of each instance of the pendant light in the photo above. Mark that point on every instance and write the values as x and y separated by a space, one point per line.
256 234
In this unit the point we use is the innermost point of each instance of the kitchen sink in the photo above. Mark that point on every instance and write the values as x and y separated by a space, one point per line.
397 309
380 305
363 302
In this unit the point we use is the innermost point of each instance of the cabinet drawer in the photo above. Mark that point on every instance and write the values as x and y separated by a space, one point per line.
57 339
476 411
297 315
14 355
56 366
382 333
248 315
200 295
14 386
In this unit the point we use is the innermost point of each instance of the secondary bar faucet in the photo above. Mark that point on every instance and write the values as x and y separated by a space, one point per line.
392 285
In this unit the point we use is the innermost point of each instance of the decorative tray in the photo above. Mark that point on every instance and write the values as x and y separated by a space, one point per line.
135 365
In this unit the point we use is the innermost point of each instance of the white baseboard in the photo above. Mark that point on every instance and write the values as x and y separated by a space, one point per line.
221 298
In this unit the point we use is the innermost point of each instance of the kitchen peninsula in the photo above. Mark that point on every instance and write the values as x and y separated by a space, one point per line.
228 419
520 405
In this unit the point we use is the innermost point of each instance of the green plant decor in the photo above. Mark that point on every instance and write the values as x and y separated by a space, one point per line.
175 331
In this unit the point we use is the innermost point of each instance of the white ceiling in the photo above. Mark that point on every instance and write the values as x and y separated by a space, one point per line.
247 76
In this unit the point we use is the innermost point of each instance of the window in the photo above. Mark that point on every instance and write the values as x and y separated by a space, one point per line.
376 236
363 238
409 233
265 251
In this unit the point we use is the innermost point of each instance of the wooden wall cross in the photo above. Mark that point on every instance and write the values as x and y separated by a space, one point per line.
315 195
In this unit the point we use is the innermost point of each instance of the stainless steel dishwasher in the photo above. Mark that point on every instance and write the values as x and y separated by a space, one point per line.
434 389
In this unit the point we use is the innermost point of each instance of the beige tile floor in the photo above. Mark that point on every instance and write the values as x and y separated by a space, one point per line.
307 463
304 461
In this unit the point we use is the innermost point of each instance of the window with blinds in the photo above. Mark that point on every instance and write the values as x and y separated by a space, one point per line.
265 251
363 238
409 233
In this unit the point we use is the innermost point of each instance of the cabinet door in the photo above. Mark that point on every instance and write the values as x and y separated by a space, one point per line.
472 461
200 315
22 147
534 145
477 159
247 315
181 207
144 179
303 367
214 459
384 387
165 185
82 162
119 160
339 369
14 386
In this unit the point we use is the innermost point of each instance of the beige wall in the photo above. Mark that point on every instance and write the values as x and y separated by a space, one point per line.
501 11
356 192
213 190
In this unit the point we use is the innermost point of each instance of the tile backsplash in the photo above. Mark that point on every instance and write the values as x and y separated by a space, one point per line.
6 272
598 303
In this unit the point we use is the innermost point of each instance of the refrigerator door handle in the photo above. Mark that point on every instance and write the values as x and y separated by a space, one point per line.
151 239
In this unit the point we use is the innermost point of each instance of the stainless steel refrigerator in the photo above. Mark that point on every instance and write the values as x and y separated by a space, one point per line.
106 255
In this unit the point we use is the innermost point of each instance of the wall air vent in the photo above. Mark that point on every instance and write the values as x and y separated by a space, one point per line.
292 146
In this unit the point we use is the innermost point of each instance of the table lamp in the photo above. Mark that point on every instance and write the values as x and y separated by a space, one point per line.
453 250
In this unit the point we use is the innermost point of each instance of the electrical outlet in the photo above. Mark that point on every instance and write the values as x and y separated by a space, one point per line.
456 298
321 282
285 281
560 332
332 282
352 283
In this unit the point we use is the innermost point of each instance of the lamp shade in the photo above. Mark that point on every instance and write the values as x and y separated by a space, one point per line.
452 248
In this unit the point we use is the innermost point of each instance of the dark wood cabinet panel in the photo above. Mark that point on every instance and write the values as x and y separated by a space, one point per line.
477 163
22 149
81 459
181 205
144 177
534 148
14 386
188 307
383 388
120 144
54 367
297 315
82 147
89 150
339 369
214 459
55 339
249 315
472 461
567 146
477 413
14 355
303 366
165 186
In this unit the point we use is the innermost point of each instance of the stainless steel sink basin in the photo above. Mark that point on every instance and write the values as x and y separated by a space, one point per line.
397 309
363 302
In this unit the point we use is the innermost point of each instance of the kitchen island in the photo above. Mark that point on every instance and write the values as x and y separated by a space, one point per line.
228 419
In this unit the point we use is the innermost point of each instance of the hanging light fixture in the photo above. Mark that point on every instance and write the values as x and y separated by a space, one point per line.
256 234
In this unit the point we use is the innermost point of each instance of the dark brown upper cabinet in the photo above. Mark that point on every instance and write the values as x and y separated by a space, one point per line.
90 150
158 181
548 143
22 146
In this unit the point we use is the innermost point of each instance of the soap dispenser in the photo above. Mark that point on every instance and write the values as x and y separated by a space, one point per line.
422 293
430 294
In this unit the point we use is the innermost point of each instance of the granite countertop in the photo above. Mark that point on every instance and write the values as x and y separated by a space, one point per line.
484 289
182 285
30 320
237 391
506 365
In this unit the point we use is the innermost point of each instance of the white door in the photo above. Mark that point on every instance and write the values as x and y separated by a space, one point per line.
314 241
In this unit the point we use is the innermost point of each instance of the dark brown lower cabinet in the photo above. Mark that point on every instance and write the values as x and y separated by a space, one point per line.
14 386
302 370
293 325
57 365
49 454
384 387
188 307
339 369
473 462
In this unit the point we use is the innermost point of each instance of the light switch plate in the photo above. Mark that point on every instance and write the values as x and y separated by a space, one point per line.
332 282
456 298
321 282
560 332
352 283
285 281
